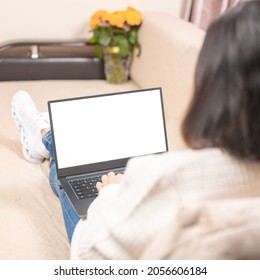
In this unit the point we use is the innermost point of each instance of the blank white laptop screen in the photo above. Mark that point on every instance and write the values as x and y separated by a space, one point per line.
110 127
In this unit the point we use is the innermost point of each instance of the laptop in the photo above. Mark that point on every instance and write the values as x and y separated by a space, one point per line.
94 135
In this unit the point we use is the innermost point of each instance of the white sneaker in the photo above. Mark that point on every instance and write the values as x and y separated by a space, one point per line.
30 123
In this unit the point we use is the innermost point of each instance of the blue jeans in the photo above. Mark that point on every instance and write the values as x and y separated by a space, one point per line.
70 216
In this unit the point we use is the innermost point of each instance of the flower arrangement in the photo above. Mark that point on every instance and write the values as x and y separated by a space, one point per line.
117 31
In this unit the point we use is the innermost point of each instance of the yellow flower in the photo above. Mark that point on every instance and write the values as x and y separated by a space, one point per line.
97 18
133 17
94 22
117 19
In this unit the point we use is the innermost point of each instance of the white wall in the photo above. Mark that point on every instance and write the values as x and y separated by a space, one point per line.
26 19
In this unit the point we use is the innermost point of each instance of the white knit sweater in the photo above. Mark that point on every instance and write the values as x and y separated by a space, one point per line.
124 220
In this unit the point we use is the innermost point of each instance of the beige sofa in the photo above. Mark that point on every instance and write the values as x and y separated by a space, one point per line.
31 224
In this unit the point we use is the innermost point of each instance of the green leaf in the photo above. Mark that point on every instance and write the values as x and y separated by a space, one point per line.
116 39
122 42
124 47
92 40
98 51
104 38
133 37
96 32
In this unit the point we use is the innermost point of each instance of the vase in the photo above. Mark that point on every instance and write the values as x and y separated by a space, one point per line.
117 68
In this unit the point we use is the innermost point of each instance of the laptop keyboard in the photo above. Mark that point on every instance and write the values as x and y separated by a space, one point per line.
85 187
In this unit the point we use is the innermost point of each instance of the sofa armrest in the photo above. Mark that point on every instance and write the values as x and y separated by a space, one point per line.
169 51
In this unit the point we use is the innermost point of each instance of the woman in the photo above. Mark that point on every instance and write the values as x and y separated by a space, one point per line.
222 128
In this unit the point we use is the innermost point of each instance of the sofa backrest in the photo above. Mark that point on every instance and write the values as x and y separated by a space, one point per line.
169 51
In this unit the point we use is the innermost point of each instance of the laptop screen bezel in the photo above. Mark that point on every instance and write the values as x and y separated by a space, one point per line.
106 165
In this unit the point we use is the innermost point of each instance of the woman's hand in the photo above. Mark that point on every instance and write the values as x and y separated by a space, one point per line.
110 178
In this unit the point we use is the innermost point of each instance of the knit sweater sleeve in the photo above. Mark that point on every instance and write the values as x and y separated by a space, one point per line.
109 193
120 222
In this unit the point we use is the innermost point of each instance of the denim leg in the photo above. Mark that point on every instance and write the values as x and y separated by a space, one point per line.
69 215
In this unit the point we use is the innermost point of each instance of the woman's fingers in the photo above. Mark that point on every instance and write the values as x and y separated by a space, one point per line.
110 178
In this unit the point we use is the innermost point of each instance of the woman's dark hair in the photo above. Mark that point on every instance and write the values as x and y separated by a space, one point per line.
225 109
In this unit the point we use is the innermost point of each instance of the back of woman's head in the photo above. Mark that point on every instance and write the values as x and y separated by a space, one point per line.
225 109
